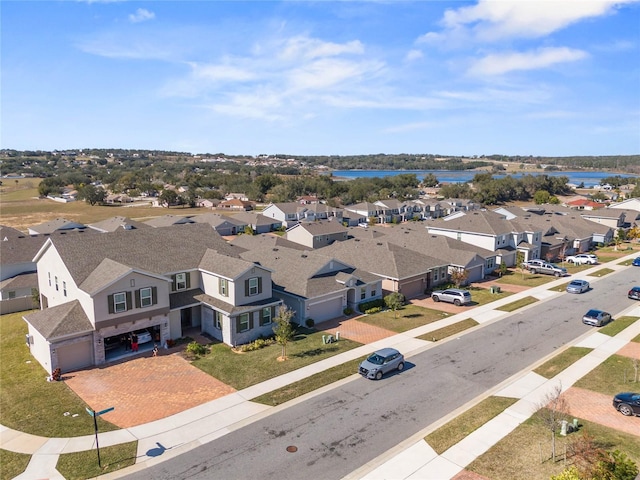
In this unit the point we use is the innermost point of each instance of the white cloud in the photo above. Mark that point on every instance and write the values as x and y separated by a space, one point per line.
498 64
305 48
413 55
492 20
141 15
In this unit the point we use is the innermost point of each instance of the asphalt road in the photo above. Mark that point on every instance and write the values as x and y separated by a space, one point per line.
337 432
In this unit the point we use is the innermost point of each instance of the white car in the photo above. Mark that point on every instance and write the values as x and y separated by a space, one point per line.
143 337
583 259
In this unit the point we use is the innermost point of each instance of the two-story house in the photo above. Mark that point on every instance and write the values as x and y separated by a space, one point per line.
317 234
164 281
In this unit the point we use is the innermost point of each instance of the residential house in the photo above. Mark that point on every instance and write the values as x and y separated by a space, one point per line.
628 204
254 242
57 225
223 224
491 231
115 223
236 204
169 220
165 280
315 286
361 213
320 211
402 270
289 213
259 223
317 234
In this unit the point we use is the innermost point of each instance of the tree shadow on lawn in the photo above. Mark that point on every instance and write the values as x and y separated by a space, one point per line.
314 352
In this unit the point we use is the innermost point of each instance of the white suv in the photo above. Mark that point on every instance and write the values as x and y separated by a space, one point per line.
452 295
583 259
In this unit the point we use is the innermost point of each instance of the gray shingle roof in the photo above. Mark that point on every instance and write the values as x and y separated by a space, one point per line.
155 250
115 223
224 265
60 321
249 242
169 220
20 281
55 225
327 227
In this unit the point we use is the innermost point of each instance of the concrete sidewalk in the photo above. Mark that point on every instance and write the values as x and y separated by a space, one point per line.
172 436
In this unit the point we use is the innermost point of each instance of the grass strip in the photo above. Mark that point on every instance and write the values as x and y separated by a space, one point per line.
601 273
618 325
408 317
559 288
321 379
561 361
467 422
81 465
448 331
523 302
12 464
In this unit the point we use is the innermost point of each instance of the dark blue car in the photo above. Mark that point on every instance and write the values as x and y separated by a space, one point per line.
636 262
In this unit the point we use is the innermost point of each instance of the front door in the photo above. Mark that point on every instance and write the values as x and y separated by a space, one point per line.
185 318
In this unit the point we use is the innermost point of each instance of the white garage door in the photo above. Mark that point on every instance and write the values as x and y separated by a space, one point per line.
75 356
325 310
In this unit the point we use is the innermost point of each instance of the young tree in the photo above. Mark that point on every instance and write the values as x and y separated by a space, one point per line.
92 195
458 276
394 301
551 410
284 329
168 198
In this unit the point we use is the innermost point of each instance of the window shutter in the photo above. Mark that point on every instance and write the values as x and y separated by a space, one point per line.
188 275
273 313
251 320
237 324
261 317
246 288
110 302
129 304
259 284
137 292
220 286
173 283
154 295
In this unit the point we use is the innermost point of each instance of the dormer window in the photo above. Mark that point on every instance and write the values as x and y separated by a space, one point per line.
181 281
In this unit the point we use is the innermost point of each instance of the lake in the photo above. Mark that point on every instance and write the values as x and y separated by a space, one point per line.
589 178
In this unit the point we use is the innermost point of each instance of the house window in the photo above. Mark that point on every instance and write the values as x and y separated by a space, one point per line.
224 287
146 297
217 319
119 302
64 288
49 278
253 286
243 322
266 316
56 279
490 263
363 294
459 236
181 281
435 275
12 294
373 292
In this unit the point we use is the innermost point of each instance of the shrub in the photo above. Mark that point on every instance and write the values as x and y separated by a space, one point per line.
194 350
257 344
309 322
364 306
373 310
348 311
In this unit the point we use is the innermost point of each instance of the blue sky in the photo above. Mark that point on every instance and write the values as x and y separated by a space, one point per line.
519 77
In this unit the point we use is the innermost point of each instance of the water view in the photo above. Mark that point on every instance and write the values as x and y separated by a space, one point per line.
589 179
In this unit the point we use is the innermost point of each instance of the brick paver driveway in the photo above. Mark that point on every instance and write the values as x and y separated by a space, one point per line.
355 330
145 389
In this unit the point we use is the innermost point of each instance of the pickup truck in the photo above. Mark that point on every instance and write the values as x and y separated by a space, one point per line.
548 269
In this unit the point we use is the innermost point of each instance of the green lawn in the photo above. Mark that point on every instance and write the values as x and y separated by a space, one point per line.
619 324
407 318
241 370
467 422
523 302
525 279
81 465
12 464
27 401
601 273
482 296
444 332
615 374
561 361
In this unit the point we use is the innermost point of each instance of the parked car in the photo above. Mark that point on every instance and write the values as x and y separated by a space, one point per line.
533 263
143 337
549 269
456 296
634 293
596 318
583 259
381 362
636 262
578 286
627 403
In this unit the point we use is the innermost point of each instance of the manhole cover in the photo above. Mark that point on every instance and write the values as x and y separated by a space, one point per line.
292 449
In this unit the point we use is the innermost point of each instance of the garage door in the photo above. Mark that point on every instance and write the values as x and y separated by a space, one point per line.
474 274
325 310
412 289
75 356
